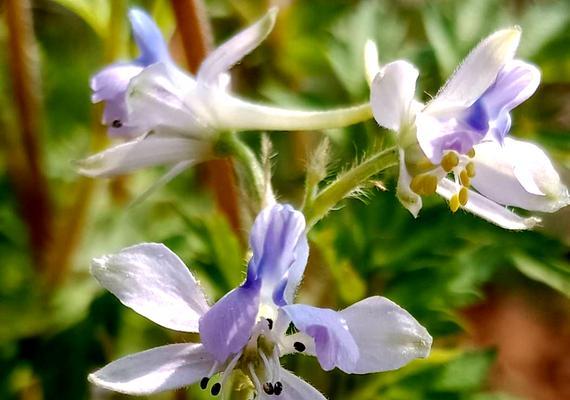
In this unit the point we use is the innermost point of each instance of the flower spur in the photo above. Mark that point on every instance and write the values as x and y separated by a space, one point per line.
247 329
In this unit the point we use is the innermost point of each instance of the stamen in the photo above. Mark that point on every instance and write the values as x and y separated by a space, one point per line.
117 123
266 365
300 347
268 388
454 203
464 178
204 383
254 377
216 389
424 185
470 168
449 161
277 388
270 323
471 153
463 196
229 368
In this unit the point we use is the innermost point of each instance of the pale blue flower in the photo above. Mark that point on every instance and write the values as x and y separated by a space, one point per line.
459 140
248 327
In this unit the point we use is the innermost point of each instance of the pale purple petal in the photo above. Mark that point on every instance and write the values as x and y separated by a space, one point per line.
334 344
232 51
280 251
149 39
392 93
155 370
487 209
154 282
387 336
294 388
144 152
227 326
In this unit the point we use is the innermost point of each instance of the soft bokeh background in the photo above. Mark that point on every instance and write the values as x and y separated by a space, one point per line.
496 302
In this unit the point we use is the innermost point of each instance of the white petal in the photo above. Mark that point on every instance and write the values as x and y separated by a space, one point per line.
145 152
294 388
155 370
479 70
409 199
487 209
228 54
518 174
392 93
154 282
233 113
156 101
387 336
371 61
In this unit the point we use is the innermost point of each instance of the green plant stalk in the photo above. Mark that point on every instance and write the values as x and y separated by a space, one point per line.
248 168
347 183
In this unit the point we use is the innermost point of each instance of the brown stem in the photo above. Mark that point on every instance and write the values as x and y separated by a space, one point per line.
26 165
196 38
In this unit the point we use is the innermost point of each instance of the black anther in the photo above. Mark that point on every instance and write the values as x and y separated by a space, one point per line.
277 388
117 123
216 388
268 388
204 382
270 323
300 347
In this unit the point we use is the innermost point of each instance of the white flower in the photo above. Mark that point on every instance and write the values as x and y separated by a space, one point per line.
458 139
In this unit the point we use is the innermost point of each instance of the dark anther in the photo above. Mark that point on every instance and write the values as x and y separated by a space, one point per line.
270 323
117 123
300 347
204 382
277 388
216 388
268 388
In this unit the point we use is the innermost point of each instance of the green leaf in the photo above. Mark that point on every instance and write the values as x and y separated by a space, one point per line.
95 13
467 372
554 274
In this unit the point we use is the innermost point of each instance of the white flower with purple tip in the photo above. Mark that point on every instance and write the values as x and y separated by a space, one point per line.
458 139
174 118
248 328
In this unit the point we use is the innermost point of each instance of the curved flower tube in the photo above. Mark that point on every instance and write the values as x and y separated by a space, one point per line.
459 140
151 99
248 328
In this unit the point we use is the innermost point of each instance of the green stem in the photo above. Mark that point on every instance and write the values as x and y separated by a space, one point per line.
347 183
248 168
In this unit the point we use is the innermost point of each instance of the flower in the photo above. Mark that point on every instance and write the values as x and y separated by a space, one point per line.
174 118
248 328
459 140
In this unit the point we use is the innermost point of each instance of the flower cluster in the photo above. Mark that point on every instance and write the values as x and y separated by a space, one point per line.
456 145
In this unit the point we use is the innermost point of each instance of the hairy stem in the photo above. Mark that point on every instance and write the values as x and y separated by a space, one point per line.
347 183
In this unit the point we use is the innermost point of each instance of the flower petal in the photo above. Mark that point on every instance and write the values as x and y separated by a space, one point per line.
229 53
409 199
280 250
294 388
145 152
148 37
518 174
387 336
157 101
487 209
155 370
154 282
227 326
334 344
371 62
479 69
392 93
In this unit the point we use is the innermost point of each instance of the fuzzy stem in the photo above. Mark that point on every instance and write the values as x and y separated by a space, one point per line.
347 183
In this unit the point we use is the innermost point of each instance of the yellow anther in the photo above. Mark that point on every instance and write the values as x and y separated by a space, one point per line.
416 184
454 203
449 161
470 168
430 184
464 178
471 153
424 185
463 196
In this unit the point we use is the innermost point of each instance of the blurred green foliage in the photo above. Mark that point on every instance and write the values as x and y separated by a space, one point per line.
435 266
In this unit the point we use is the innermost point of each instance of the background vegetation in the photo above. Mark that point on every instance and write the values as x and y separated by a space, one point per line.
496 302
